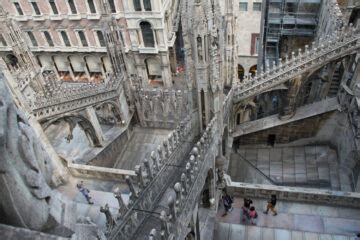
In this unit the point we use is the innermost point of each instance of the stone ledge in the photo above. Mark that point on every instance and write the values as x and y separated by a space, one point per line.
312 195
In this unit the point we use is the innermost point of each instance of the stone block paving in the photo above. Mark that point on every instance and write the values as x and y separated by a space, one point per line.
307 166
294 221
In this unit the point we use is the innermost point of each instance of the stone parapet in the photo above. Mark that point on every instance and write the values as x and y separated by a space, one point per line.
297 194
342 43
87 171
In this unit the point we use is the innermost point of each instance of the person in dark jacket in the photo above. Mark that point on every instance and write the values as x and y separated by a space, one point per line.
271 205
246 208
227 201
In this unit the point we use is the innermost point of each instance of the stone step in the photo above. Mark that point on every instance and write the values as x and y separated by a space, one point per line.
228 231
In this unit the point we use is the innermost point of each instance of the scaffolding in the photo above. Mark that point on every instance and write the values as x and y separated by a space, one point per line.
287 18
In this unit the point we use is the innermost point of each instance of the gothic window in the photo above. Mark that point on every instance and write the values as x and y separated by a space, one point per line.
72 6
48 38
53 7
112 6
83 39
2 40
101 38
137 5
65 38
91 6
147 5
36 8
32 39
147 34
18 8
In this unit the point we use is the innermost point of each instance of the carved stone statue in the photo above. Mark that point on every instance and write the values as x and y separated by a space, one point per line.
110 222
24 168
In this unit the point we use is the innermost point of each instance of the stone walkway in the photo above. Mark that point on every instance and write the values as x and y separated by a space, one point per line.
227 231
101 193
293 216
139 147
312 166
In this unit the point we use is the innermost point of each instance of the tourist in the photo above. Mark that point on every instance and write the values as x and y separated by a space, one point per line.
357 236
246 208
253 215
271 205
227 201
85 192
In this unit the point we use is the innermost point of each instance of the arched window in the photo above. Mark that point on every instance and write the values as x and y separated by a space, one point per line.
241 72
252 70
147 5
147 34
137 5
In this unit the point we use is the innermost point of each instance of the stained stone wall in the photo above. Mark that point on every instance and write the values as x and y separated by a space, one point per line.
286 133
108 156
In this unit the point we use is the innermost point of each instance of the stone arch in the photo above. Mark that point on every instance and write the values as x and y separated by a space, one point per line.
147 34
253 70
73 120
108 113
241 72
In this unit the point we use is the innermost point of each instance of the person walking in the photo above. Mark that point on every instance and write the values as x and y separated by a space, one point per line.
271 205
227 201
85 192
246 208
253 215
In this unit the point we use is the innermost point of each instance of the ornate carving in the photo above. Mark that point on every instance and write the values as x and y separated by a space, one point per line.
24 169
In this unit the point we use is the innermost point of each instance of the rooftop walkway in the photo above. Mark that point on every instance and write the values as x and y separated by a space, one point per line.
294 221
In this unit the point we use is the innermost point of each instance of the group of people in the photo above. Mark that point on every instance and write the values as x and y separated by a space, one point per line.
249 213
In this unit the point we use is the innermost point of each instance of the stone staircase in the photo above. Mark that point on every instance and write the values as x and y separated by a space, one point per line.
306 166
318 55
227 231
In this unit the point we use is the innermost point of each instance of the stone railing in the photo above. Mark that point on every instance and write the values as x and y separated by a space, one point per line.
87 171
316 196
189 186
313 58
64 98
173 223
161 108
152 179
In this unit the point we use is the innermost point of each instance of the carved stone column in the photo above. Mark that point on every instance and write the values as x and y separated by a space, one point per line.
290 101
